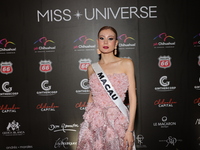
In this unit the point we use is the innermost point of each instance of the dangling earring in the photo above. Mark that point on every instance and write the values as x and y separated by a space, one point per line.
98 51
115 52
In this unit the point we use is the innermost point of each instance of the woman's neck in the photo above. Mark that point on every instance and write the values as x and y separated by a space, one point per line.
106 59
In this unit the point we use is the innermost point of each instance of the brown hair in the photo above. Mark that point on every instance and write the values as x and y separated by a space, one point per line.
108 27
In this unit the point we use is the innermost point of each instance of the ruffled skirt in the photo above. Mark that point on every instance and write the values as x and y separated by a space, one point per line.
102 129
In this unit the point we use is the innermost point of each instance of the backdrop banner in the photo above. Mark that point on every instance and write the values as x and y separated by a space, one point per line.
47 45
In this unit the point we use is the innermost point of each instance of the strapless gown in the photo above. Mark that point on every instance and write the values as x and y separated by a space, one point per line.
104 125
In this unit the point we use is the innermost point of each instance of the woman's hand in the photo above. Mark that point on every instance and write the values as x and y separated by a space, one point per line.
129 140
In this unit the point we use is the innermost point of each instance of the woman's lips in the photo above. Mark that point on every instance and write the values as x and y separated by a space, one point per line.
105 47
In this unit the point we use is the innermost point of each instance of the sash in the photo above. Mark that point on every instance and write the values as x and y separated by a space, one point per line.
110 89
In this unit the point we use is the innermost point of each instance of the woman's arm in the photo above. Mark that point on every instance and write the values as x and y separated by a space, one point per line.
132 93
129 70
90 71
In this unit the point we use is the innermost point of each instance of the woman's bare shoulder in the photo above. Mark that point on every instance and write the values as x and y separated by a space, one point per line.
126 62
90 70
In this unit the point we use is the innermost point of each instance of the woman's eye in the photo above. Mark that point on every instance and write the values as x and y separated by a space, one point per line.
101 38
111 38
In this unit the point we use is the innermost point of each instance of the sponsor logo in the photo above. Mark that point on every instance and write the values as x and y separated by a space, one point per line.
7 90
197 101
199 60
45 66
164 62
196 40
197 87
44 107
164 41
126 42
7 47
165 85
140 139
64 143
20 147
171 141
107 13
83 43
164 123
9 109
46 89
161 103
81 105
6 67
44 45
13 129
63 127
197 121
198 140
84 63
85 87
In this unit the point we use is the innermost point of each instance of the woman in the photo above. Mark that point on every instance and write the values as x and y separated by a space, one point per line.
105 127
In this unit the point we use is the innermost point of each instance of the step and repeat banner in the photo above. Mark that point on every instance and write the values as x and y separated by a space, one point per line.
46 46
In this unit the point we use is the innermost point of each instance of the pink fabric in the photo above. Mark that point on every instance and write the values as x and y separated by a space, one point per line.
104 125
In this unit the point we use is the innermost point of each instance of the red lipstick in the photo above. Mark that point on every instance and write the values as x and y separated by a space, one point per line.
105 47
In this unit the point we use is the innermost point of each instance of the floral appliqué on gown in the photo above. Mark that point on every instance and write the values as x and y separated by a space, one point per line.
104 125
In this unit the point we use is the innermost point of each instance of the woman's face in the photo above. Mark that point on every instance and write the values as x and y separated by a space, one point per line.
107 41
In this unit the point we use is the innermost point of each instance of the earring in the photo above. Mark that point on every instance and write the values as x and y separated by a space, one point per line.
98 51
115 52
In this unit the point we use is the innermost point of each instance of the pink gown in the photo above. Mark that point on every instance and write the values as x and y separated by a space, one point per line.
104 125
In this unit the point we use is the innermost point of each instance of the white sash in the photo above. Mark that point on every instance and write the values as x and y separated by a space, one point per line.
109 89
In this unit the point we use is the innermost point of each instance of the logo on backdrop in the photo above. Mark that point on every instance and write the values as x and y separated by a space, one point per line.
126 42
197 87
164 41
199 60
6 67
164 123
7 90
171 141
44 107
81 105
46 89
107 13
165 85
64 143
196 40
44 45
161 103
198 140
83 43
63 127
164 62
140 139
9 109
20 147
45 66
7 47
13 129
197 121
84 84
84 63
197 101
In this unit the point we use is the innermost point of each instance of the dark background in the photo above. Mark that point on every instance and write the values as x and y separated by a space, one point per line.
20 25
